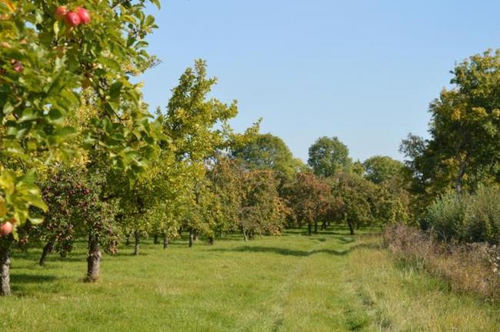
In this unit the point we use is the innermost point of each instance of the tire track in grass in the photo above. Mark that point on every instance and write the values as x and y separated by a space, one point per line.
278 301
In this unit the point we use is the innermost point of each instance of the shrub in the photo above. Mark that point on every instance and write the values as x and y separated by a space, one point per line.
466 217
471 267
482 216
446 216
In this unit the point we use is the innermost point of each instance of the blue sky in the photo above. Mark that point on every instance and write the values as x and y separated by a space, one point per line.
364 71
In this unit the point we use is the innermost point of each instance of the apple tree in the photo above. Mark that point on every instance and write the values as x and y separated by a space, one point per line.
49 55
198 128
309 197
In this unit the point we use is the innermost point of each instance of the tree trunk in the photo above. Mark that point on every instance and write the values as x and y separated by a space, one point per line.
351 227
191 236
4 270
46 251
323 225
155 241
245 236
136 243
211 240
316 226
127 239
165 241
309 228
93 259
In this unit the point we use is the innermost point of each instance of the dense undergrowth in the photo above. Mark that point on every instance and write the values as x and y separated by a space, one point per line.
472 267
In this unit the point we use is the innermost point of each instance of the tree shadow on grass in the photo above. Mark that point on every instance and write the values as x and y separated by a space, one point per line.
344 239
369 245
285 251
23 278
319 239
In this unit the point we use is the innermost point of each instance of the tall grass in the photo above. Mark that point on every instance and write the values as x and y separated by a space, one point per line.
472 267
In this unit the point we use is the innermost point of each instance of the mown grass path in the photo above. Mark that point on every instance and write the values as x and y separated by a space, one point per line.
325 282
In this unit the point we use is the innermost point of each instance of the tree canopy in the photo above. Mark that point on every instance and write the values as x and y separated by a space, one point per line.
328 155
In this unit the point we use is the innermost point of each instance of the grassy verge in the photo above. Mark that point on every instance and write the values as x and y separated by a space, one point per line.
326 282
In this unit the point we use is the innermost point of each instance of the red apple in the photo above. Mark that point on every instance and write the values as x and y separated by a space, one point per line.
72 19
16 65
5 228
61 11
84 15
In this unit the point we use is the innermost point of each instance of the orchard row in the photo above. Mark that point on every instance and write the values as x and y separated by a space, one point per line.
82 156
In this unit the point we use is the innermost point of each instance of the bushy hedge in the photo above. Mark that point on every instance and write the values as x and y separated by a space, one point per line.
466 217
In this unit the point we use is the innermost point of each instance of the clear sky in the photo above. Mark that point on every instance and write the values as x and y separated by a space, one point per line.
364 71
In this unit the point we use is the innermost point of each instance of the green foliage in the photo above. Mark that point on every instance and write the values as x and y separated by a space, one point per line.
225 177
328 155
466 217
19 194
391 204
197 128
391 199
309 197
262 209
463 150
265 151
482 216
382 168
197 125
45 65
357 199
446 216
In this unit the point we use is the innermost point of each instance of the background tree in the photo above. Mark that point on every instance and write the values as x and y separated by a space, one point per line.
309 198
262 209
266 151
356 199
465 131
226 178
198 128
328 155
382 168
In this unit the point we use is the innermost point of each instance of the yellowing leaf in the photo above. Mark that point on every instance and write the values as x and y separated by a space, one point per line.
10 5
3 208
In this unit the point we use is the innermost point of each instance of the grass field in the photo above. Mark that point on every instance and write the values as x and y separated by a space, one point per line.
326 282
